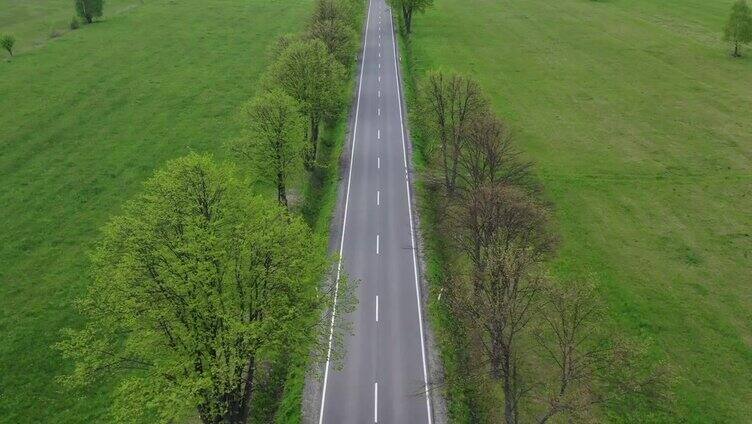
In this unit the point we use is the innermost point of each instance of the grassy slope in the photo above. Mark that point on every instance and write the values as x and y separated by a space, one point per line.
640 126
85 120
32 22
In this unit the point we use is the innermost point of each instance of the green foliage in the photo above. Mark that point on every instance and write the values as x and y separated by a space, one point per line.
338 36
7 42
334 10
309 74
195 286
408 9
89 9
74 23
738 29
274 144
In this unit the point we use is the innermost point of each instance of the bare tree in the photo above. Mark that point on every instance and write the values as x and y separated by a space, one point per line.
590 367
501 306
489 156
505 234
451 103
495 215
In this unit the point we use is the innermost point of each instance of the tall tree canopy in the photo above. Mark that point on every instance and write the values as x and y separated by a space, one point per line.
274 144
307 72
195 286
408 9
738 30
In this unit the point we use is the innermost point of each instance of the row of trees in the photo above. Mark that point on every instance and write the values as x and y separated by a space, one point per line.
539 339
303 89
201 290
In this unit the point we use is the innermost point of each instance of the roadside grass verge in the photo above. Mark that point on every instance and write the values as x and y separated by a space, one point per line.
85 121
638 121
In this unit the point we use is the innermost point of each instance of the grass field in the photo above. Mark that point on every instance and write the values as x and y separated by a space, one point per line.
85 119
33 22
641 128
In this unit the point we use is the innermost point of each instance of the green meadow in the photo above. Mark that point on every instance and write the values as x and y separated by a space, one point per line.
640 125
85 118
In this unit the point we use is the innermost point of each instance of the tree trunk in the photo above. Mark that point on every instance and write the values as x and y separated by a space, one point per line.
495 361
281 191
510 407
245 407
314 139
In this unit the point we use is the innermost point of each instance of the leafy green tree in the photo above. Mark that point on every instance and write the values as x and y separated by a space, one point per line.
275 142
408 8
338 36
334 10
89 9
196 286
7 42
307 72
739 27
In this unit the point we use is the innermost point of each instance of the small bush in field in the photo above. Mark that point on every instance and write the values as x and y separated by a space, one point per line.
74 24
7 42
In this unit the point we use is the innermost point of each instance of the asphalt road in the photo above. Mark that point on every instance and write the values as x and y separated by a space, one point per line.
384 377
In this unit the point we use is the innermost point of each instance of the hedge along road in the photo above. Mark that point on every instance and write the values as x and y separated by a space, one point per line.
384 375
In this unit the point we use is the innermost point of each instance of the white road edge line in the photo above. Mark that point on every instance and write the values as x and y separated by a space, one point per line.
344 219
412 231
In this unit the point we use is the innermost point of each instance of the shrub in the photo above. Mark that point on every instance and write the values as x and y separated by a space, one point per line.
89 9
74 23
7 42
738 30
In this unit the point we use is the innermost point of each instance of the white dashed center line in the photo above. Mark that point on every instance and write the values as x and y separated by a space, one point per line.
375 402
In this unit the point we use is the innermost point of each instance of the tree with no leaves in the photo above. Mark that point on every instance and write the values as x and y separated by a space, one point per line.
309 74
275 142
499 216
89 9
738 30
408 8
451 103
195 288
7 42
489 157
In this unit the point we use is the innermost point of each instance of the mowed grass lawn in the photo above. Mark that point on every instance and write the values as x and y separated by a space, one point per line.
641 127
84 120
